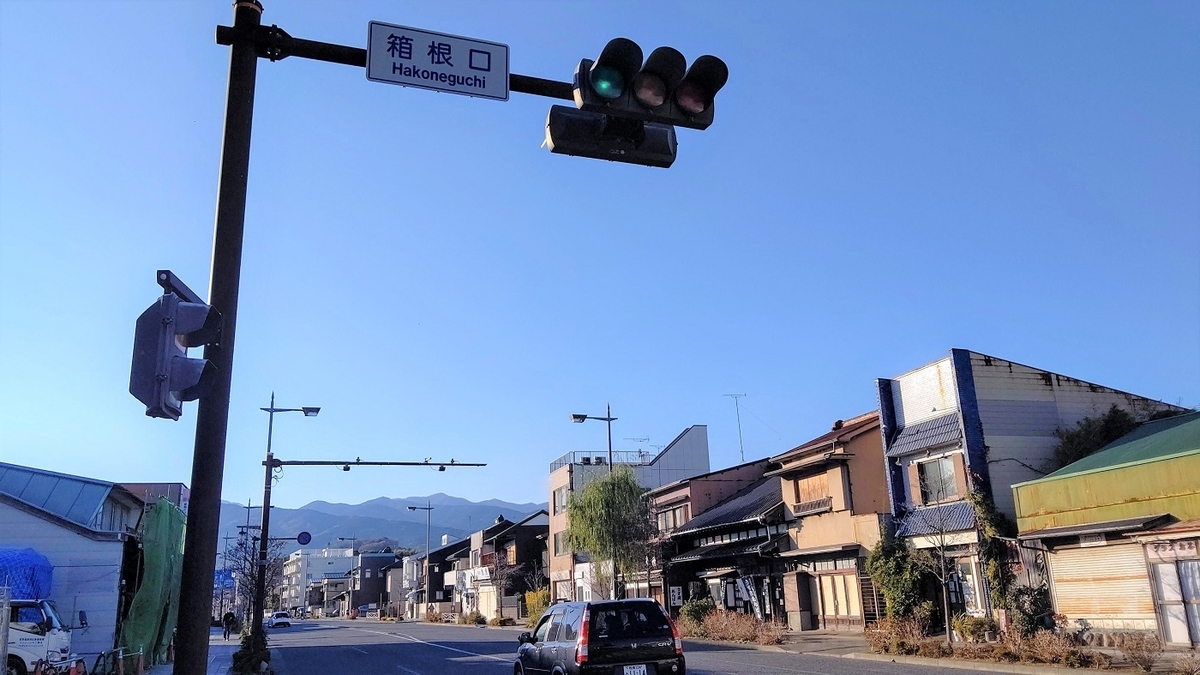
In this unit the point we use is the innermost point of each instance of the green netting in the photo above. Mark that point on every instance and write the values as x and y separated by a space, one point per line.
152 614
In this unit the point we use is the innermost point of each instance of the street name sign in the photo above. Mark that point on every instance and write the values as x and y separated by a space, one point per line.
413 57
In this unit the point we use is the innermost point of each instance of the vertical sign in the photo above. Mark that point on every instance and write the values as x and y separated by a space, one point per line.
413 57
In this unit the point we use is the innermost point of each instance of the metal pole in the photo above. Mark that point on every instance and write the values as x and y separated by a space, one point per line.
260 573
428 513
212 419
611 488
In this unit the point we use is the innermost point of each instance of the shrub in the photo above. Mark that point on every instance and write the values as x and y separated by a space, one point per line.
896 574
501 621
987 652
1028 607
697 608
895 636
536 603
771 633
731 626
1142 649
253 653
975 628
1188 664
690 628
1047 646
433 616
472 618
934 649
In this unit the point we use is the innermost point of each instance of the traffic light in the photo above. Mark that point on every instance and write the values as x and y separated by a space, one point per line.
162 376
599 136
662 89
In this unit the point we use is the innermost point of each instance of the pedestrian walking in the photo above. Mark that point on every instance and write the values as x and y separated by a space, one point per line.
229 621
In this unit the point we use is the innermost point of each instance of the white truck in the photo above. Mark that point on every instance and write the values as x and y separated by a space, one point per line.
36 633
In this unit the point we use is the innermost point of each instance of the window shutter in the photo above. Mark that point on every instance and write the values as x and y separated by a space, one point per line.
960 475
914 484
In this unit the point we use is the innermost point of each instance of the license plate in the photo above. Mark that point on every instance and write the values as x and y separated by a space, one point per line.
639 669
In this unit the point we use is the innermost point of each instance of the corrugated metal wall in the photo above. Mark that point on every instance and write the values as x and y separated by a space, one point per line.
1102 583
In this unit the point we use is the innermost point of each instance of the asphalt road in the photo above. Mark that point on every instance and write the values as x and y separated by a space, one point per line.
417 648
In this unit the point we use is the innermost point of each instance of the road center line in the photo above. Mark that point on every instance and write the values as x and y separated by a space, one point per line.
360 651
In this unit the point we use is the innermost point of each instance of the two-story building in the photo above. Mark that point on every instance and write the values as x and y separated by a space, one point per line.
836 506
493 577
673 506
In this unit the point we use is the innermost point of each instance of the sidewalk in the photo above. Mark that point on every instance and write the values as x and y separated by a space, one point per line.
220 656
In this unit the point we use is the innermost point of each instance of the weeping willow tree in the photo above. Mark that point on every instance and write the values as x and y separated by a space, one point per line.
609 519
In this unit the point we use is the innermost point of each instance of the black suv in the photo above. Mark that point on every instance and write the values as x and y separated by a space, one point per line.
613 637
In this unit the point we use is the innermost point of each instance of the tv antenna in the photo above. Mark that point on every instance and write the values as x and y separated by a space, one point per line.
737 411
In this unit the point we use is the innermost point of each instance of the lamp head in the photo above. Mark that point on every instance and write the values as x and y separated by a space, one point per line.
578 418
412 508
442 467
310 410
345 467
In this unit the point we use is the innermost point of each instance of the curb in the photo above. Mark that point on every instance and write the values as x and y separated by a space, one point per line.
965 664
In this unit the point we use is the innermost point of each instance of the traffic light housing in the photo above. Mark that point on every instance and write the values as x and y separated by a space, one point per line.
162 376
660 89
599 136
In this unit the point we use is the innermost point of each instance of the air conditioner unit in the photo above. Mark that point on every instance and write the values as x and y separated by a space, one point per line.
598 460
585 460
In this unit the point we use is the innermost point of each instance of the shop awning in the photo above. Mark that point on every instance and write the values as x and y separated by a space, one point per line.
730 549
819 550
1124 525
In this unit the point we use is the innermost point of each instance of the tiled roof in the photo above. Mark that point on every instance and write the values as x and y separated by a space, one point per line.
729 549
751 503
928 434
848 430
1152 441
926 520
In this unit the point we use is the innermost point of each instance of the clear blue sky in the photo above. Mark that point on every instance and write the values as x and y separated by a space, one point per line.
884 181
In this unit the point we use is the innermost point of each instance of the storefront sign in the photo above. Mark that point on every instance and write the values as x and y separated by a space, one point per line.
1160 551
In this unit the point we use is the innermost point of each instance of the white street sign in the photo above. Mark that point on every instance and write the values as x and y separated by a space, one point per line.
420 58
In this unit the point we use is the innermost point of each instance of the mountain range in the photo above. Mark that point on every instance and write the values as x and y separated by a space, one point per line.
374 523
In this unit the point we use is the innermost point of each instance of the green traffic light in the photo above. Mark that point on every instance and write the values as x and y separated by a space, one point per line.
607 81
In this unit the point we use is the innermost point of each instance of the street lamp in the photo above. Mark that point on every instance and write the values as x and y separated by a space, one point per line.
428 512
260 587
579 418
353 539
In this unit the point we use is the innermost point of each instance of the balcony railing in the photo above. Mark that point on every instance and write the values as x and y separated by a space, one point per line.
600 458
815 506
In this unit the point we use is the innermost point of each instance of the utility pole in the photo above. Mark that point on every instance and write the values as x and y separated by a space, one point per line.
738 412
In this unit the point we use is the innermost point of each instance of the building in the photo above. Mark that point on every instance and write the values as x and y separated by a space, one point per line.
730 552
571 574
836 507
438 578
673 506
973 422
1121 528
87 529
493 578
306 567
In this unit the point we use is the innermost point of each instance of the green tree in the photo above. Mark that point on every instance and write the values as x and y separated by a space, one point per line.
609 519
897 575
1089 435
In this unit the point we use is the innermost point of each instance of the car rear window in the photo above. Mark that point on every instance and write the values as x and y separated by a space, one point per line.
627 620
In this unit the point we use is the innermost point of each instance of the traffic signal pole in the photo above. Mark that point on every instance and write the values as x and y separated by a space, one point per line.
249 40
212 417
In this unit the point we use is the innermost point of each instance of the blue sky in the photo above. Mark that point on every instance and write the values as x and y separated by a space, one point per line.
883 182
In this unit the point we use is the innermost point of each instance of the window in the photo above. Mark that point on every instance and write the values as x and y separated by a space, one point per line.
672 518
812 488
937 480
560 547
560 500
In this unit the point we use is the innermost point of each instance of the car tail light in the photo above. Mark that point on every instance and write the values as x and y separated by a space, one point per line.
675 634
581 642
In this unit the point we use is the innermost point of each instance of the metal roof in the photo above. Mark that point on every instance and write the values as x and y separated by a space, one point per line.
839 434
72 498
1125 525
1150 442
751 503
932 433
926 520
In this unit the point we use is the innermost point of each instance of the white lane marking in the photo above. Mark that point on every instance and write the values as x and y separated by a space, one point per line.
360 651
434 644
410 672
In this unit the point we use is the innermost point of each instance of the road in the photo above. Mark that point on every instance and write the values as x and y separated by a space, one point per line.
416 648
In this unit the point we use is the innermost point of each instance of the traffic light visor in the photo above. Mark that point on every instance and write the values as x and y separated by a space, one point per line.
661 73
614 69
701 83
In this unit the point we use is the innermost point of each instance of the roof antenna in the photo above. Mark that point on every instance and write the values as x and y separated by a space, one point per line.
738 412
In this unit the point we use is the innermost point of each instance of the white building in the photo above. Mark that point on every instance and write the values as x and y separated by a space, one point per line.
307 566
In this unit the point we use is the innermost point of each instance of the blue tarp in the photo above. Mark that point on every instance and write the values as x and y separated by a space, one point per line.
26 572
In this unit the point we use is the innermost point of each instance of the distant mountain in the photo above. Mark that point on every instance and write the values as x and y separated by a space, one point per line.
375 519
